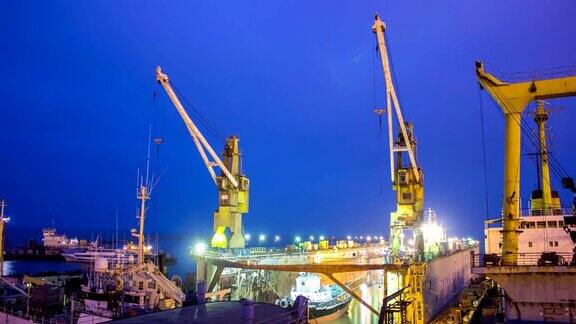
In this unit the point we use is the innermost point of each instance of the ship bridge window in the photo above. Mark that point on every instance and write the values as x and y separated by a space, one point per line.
529 244
541 224
552 224
556 243
530 225
550 243
560 223
522 224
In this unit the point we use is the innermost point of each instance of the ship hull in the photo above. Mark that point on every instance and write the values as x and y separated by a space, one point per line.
445 278
326 315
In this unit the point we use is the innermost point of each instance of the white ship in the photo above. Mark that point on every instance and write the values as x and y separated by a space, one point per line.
325 302
115 291
52 240
122 289
113 256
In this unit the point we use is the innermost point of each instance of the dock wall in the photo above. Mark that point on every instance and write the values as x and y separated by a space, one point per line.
445 278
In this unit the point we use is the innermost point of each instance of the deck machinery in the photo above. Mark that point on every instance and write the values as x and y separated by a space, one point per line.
232 185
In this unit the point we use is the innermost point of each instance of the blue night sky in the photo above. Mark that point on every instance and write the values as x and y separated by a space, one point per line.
293 79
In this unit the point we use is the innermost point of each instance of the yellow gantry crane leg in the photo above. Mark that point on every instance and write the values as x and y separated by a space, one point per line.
513 98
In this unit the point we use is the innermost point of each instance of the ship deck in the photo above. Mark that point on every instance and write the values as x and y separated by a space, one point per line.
215 312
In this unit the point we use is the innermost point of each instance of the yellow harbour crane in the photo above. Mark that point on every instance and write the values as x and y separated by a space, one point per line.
513 98
232 185
406 175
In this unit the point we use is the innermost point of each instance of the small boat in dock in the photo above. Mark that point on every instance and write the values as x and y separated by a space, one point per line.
325 302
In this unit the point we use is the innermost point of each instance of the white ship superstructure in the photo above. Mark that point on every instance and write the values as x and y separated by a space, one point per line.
52 240
542 231
111 255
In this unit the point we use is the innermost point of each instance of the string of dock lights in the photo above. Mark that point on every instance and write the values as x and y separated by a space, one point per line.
201 247
432 237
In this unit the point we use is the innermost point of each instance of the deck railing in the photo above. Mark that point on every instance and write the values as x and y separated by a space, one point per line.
480 260
547 212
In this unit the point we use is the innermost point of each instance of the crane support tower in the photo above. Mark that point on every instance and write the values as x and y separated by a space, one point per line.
513 98
232 185
406 175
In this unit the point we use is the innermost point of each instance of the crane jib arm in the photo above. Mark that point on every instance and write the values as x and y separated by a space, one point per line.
198 138
514 97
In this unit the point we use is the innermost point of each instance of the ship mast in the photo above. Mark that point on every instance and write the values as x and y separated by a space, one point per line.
3 220
540 118
143 195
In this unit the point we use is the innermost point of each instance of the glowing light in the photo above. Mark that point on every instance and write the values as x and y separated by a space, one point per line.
321 238
311 237
247 237
200 248
432 234
381 238
262 238
368 238
349 237
318 258
276 238
297 239
218 239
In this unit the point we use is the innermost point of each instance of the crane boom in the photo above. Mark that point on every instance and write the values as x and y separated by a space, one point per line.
198 138
513 98
233 187
379 28
407 179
